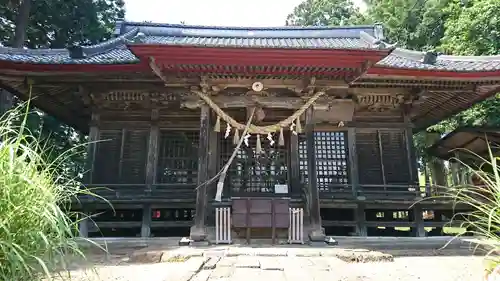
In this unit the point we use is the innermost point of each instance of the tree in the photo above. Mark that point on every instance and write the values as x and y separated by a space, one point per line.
324 13
21 23
473 29
456 27
57 24
413 24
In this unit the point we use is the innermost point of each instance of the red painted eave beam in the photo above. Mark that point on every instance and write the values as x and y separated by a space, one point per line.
171 55
29 67
386 71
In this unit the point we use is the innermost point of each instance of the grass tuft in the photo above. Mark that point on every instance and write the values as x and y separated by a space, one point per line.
483 221
36 232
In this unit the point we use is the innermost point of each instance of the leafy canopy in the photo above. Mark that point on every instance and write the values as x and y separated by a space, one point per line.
58 24
323 13
459 27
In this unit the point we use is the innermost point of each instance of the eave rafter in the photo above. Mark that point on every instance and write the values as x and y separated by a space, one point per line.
48 101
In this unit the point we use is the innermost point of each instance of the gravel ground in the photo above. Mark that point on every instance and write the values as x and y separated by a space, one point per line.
407 268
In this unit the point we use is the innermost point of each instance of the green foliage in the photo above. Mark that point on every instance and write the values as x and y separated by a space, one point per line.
455 27
417 25
36 232
484 200
474 29
324 13
59 23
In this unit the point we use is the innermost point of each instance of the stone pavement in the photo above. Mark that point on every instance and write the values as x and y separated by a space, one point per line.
288 268
164 261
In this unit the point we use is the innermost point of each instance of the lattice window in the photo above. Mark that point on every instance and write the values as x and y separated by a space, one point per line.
255 173
368 152
134 155
395 157
107 157
121 157
331 159
178 159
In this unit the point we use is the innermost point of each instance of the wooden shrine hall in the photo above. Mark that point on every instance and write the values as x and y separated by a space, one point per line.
465 148
322 119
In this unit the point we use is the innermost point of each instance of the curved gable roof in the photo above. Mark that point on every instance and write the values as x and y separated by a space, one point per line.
293 37
408 59
108 52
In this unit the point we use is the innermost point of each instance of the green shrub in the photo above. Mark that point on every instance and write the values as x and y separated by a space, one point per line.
483 221
36 232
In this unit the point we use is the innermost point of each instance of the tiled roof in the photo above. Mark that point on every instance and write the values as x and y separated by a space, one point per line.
355 37
109 52
292 43
408 59
116 51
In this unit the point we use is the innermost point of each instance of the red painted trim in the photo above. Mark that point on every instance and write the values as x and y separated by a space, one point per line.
290 62
257 57
340 73
431 73
167 54
74 67
270 52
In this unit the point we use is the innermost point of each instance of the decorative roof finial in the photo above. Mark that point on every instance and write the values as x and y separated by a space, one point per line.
378 31
430 57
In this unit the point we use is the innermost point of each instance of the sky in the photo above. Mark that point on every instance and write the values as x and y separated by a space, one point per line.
213 12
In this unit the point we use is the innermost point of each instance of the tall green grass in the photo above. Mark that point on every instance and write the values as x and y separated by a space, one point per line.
36 232
483 219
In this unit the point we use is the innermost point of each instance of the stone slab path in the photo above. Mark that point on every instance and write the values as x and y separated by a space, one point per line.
255 268
278 264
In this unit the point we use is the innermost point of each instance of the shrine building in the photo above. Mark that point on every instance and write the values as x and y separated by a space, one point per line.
323 119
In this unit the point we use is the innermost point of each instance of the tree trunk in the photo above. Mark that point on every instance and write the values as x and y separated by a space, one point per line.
437 167
21 23
22 19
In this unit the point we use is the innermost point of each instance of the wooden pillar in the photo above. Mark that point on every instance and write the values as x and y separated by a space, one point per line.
454 166
317 233
428 191
295 188
418 219
361 220
381 153
198 231
213 157
89 168
353 160
410 154
151 165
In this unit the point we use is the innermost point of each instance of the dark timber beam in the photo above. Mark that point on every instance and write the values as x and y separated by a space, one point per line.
353 161
151 164
361 229
198 231
317 233
212 171
295 187
418 218
89 167
411 152
381 153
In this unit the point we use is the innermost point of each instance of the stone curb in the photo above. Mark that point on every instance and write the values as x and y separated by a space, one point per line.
347 255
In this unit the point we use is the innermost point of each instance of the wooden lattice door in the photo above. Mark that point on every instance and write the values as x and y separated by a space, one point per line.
330 149
252 172
178 158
